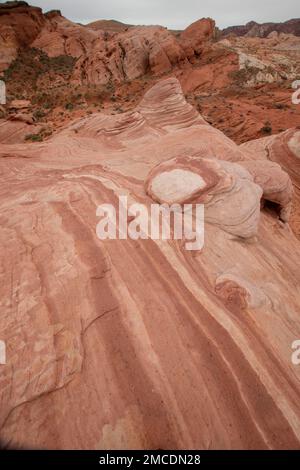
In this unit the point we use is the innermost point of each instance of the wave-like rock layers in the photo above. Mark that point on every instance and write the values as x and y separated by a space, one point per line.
142 344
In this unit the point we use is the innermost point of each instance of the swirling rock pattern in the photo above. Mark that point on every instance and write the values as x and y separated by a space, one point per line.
20 24
142 344
282 149
17 128
102 56
231 198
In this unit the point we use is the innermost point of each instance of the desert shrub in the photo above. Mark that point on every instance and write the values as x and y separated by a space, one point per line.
34 137
110 87
267 128
39 114
32 63
94 93
242 76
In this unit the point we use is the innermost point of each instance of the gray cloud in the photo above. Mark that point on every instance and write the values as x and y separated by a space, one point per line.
175 14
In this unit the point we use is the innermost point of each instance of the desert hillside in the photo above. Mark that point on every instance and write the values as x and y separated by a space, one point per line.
143 344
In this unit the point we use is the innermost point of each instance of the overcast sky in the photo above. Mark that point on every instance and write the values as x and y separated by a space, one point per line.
175 14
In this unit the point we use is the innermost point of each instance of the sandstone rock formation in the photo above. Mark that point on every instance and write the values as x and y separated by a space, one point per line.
141 344
242 85
135 52
111 26
63 37
284 150
130 55
195 36
19 26
102 56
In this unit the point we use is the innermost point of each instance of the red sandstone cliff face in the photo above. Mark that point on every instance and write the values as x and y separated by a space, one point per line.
127 55
24 21
195 36
102 56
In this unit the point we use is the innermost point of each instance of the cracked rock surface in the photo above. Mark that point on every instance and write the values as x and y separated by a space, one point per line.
141 344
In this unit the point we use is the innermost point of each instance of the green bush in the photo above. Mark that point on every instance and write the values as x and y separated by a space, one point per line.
39 114
34 137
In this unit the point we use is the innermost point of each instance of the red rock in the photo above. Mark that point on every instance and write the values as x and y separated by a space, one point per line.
62 37
130 55
284 149
19 105
139 340
19 26
110 26
125 334
195 36
22 117
102 57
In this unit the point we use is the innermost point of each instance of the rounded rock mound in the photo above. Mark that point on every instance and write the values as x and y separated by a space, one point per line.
230 196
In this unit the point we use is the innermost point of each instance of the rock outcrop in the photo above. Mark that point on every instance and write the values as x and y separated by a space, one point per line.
111 26
242 85
130 55
103 56
63 37
131 344
195 36
253 29
230 197
20 24
17 128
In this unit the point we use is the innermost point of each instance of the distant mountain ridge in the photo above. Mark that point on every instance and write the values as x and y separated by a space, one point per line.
253 29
